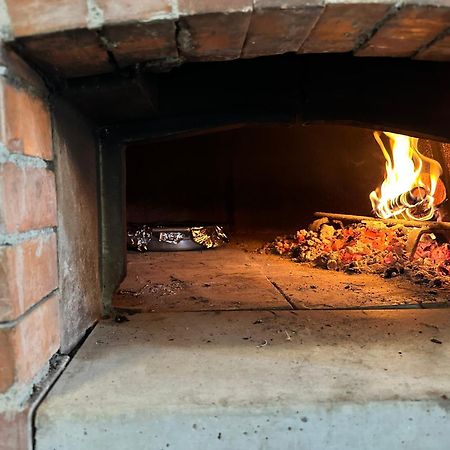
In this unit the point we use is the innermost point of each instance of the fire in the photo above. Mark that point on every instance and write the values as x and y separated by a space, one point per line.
409 186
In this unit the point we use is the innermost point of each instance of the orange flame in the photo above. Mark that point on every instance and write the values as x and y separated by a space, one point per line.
407 191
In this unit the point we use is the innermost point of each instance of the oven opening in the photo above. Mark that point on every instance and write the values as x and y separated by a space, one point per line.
224 224
276 217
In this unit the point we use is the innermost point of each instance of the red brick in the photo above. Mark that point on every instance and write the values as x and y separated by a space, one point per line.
282 30
213 30
27 123
14 430
18 68
7 363
139 42
28 198
29 344
342 25
437 51
213 37
32 17
192 7
118 11
28 272
406 32
72 53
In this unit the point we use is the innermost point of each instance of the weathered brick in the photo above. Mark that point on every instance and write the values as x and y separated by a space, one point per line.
406 32
118 11
142 41
341 26
437 51
32 17
193 7
213 31
29 343
72 53
27 123
14 429
17 68
28 272
279 30
28 198
7 363
213 37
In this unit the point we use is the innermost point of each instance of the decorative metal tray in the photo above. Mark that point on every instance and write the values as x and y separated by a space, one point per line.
158 238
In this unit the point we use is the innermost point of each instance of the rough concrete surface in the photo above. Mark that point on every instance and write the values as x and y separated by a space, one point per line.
256 380
236 277
78 237
221 279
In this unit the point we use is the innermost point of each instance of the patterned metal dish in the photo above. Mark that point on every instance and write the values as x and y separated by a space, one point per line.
151 238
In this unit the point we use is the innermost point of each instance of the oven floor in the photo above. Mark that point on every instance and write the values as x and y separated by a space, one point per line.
256 380
236 277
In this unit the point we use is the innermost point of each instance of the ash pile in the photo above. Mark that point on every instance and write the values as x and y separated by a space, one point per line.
370 246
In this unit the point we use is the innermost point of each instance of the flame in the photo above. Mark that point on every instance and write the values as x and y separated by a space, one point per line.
408 189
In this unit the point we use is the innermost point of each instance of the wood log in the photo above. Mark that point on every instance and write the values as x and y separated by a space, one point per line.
431 225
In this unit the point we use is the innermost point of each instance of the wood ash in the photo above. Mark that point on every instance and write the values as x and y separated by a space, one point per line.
367 247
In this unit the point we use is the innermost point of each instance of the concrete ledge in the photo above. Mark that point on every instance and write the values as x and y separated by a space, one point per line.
256 380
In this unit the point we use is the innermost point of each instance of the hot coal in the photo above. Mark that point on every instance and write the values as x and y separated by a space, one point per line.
367 247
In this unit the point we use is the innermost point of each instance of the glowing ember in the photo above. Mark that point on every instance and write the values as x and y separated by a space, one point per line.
409 186
368 247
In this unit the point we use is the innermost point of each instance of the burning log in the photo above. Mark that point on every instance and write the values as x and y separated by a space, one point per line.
402 240
411 188
416 201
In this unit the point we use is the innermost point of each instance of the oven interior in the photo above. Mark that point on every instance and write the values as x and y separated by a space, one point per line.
258 182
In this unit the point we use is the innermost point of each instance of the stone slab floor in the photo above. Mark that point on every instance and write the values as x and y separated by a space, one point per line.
233 380
236 277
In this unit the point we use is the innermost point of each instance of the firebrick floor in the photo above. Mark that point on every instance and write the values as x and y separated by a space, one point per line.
256 380
237 277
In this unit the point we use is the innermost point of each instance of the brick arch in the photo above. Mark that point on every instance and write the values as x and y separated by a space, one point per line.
86 37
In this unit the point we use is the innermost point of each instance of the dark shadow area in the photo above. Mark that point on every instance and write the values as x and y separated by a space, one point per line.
389 93
253 178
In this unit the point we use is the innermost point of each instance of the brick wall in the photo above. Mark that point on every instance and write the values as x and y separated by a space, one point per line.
48 237
29 296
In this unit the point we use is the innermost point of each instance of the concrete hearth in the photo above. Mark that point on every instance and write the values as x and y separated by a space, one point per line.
256 380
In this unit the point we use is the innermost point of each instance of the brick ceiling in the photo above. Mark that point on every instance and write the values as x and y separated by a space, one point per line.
87 37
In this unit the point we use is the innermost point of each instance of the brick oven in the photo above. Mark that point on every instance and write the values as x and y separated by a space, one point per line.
248 114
